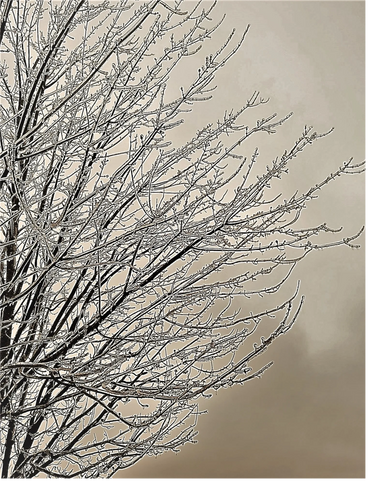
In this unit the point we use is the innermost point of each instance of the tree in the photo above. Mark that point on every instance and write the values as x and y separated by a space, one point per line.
115 317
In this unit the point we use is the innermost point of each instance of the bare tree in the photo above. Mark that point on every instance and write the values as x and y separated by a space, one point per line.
115 318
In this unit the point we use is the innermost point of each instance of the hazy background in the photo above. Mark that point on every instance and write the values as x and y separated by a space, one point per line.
305 417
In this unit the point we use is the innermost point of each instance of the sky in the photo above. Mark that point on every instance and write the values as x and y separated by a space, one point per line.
305 416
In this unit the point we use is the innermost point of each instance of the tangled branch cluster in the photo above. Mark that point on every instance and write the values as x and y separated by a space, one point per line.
113 241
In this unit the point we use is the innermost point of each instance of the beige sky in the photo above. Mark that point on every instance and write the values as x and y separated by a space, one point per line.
305 417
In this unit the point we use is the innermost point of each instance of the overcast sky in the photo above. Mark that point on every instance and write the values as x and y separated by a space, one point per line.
305 417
